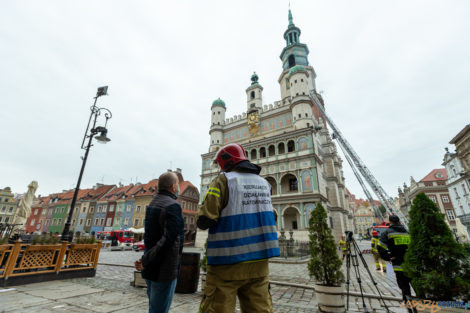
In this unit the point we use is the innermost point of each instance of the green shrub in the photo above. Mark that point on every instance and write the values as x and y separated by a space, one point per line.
324 265
438 266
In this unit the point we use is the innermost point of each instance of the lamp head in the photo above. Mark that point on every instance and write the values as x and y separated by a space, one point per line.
102 138
102 91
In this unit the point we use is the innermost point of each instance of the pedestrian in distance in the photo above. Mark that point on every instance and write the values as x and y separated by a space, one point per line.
378 260
343 247
238 212
392 247
163 239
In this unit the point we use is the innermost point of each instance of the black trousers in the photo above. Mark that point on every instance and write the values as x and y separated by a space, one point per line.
403 283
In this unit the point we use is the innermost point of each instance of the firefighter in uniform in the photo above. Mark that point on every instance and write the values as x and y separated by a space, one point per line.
392 247
378 260
343 247
242 236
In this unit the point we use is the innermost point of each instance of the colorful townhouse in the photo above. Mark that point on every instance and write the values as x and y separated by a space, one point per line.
37 218
100 215
188 199
92 198
113 216
60 212
129 205
142 197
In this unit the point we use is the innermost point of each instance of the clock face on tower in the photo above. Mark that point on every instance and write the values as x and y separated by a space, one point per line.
253 117
253 121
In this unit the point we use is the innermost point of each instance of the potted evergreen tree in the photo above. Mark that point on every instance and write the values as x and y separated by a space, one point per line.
325 265
438 266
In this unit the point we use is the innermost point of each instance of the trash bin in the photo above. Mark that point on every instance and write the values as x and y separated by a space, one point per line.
189 275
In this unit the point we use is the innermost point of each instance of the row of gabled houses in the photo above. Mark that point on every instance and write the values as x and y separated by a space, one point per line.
106 208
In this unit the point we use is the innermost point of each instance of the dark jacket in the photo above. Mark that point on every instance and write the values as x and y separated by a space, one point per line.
393 244
163 239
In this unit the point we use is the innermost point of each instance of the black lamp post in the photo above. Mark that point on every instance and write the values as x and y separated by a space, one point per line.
89 133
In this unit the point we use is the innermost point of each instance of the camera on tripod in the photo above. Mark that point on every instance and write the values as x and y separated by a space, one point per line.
349 235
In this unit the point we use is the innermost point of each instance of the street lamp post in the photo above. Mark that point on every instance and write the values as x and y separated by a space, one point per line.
89 133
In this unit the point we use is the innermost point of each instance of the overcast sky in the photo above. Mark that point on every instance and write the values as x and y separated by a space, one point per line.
395 76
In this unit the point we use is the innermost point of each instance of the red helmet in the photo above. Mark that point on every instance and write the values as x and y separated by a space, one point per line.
229 155
375 233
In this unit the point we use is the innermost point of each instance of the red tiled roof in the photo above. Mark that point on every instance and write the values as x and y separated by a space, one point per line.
97 193
433 175
185 184
118 193
148 189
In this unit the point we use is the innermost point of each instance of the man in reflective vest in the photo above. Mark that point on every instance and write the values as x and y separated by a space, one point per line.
378 260
343 246
238 212
392 247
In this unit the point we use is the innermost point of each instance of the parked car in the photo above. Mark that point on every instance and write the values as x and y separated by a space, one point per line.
139 246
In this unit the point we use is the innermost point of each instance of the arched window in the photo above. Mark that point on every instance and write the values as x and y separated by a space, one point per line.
291 60
271 150
262 152
281 148
290 146
289 184
252 95
253 154
273 184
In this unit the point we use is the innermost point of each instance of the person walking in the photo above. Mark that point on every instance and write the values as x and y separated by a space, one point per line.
392 247
238 212
378 260
343 247
163 239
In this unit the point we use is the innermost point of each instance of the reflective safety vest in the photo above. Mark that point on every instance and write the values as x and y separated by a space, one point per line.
246 229
342 245
373 244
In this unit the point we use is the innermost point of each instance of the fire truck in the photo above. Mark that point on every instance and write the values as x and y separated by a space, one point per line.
120 238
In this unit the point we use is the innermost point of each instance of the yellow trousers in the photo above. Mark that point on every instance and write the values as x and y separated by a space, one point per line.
379 261
253 293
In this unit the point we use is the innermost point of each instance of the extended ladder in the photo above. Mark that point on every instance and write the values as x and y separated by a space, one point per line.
360 166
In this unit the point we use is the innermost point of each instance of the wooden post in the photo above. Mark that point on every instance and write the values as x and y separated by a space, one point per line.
97 254
11 262
60 257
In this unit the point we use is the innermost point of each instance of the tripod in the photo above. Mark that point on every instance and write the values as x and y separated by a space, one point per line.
352 257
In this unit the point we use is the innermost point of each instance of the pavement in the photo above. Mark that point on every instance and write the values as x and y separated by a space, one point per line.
110 290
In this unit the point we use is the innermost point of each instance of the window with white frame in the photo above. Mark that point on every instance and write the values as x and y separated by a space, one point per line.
36 212
128 208
100 208
105 208
88 222
32 222
80 222
92 209
59 221
7 219
433 198
111 208
445 199
136 222
73 222
137 209
96 221
126 221
10 210
450 215
101 221
109 221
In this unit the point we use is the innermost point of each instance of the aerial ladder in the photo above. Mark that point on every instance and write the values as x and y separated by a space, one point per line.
377 211
358 166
